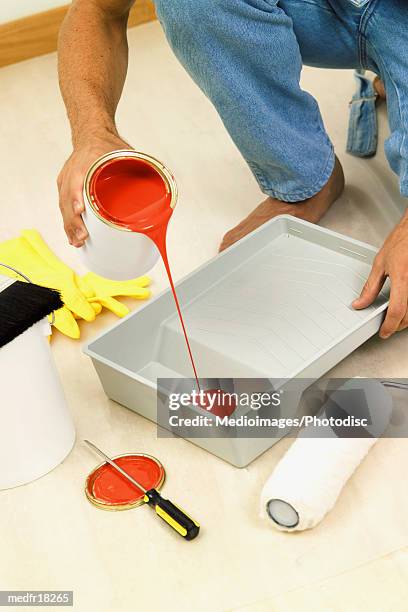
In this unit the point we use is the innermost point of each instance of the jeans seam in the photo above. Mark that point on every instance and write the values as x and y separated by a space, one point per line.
316 4
297 196
362 41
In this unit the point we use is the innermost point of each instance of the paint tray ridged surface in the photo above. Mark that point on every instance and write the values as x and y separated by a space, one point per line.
276 305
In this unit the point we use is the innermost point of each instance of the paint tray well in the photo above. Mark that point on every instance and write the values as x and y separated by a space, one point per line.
277 304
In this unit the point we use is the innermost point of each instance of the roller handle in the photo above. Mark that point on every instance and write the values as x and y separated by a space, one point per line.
174 516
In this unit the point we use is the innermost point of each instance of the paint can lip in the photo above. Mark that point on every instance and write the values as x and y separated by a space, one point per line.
164 172
105 505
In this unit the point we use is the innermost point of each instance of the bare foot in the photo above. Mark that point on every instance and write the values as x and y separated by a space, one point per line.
379 88
311 210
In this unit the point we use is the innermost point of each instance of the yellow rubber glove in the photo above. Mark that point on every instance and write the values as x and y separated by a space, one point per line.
121 310
83 296
96 306
19 254
105 290
61 275
65 322
15 253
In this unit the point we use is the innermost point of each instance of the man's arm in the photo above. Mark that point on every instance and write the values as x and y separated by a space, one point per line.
92 65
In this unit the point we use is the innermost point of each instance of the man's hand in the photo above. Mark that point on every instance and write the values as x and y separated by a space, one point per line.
71 181
392 262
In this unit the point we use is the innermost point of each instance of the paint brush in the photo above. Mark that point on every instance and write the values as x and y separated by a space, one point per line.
22 305
169 512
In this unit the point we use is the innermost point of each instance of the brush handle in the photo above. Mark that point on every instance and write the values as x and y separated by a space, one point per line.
172 515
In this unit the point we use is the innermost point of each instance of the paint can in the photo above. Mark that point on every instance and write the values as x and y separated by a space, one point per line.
37 431
113 249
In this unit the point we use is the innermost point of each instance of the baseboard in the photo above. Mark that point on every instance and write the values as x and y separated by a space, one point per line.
36 35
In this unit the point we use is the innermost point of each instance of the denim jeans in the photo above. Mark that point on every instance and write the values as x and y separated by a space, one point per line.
247 56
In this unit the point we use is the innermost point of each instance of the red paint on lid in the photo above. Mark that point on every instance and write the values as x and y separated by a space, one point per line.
108 488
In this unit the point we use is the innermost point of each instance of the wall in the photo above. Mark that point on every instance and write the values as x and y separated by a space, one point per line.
15 9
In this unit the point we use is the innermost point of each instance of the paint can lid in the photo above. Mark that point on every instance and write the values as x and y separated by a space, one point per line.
109 490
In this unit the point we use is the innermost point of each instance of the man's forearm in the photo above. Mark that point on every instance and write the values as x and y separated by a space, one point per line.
93 56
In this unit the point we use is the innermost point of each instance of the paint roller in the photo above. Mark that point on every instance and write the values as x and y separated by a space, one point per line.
308 480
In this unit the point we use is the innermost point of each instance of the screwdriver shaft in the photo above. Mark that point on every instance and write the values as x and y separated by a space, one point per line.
114 465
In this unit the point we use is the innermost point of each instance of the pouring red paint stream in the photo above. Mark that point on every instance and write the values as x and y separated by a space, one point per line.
132 193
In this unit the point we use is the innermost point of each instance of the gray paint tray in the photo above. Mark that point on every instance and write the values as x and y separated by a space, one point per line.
277 304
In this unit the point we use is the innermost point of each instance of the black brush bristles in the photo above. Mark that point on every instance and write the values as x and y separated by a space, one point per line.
22 305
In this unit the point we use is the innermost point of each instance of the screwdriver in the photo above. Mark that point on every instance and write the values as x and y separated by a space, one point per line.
169 512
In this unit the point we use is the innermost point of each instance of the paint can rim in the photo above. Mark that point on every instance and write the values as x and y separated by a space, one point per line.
104 505
161 169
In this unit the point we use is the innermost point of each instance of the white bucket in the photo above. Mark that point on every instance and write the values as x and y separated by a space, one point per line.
114 251
37 431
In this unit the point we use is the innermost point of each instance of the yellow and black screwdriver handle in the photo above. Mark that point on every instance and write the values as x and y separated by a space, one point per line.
174 516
